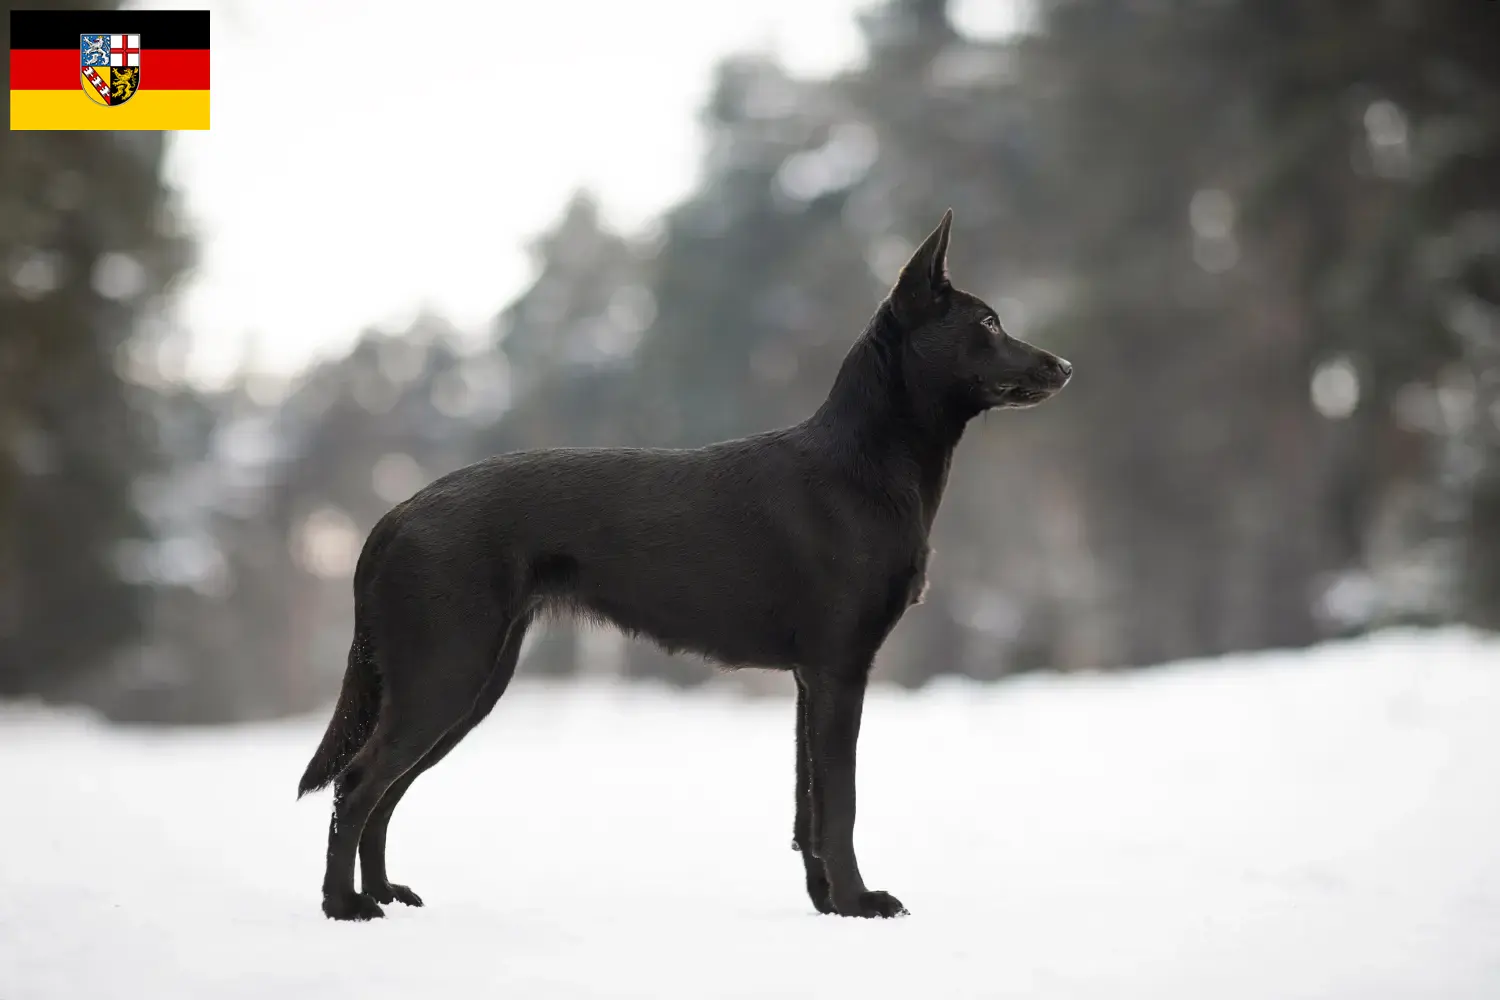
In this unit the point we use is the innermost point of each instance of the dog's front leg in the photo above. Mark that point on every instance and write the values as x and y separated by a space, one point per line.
835 704
802 831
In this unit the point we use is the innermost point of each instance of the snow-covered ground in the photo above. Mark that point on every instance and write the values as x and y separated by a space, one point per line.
1278 827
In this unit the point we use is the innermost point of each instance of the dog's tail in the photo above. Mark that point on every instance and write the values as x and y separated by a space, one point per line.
358 707
353 717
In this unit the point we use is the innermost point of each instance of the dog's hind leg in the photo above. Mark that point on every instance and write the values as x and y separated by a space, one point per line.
393 747
435 655
372 842
802 831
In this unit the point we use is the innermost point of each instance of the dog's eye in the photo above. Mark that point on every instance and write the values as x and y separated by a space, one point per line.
991 324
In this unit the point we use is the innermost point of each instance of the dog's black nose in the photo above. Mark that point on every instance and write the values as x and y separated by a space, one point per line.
1064 367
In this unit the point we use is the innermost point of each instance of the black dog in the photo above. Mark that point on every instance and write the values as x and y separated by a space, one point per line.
797 549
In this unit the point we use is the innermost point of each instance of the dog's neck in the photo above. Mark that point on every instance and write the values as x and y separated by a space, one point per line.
878 420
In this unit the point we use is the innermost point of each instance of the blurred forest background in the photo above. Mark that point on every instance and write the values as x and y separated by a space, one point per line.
1267 234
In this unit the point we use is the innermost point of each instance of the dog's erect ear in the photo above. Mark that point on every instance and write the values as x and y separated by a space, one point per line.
924 280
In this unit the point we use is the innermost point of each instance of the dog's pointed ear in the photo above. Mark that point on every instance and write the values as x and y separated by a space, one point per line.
923 282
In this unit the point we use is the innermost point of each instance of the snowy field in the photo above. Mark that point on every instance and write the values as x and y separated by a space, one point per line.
1278 827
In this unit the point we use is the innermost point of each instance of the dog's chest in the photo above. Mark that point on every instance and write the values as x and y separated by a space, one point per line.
916 586
902 583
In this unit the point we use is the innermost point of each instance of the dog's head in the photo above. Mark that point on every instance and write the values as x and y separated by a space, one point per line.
957 353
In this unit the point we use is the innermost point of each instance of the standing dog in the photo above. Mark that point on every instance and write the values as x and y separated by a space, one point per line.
797 549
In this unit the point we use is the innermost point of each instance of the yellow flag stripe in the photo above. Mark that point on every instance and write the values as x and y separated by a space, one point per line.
71 110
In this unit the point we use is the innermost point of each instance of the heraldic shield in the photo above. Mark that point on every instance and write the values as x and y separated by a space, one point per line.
111 67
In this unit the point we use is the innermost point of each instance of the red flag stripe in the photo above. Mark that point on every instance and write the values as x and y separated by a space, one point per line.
59 69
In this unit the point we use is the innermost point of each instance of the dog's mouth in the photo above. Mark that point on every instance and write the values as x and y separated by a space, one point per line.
1020 397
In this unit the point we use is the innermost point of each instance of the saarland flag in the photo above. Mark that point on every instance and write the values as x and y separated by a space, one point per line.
109 69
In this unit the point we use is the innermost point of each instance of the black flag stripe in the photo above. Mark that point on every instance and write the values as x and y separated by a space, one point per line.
59 29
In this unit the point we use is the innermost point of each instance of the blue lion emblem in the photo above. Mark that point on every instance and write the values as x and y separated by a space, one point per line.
95 50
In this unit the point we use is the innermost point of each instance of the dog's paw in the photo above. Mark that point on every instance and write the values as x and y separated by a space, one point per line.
393 893
351 906
872 903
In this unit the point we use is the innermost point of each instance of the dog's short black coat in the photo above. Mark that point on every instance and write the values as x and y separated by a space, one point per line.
796 549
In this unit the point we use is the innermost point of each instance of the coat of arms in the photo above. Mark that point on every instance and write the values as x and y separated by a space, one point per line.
111 67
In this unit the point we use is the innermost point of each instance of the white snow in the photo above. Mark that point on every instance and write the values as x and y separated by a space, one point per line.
1274 827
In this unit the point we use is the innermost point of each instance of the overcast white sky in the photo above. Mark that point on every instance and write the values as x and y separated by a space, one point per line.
368 157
